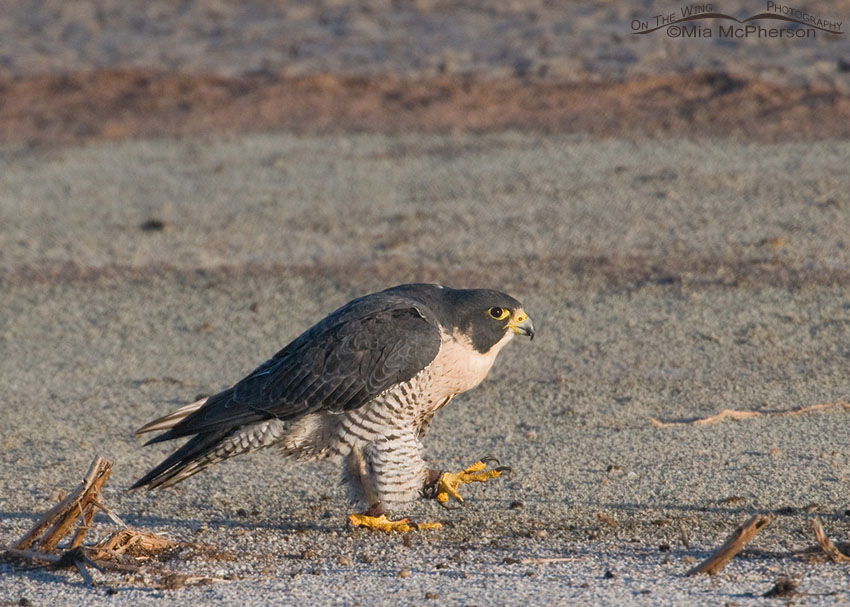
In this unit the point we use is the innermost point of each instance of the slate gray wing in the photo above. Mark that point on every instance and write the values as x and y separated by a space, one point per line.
341 363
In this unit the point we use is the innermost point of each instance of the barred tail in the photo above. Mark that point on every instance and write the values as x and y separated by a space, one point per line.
210 448
189 459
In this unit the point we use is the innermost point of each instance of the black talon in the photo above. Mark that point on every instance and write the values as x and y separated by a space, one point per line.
499 468
429 491
446 505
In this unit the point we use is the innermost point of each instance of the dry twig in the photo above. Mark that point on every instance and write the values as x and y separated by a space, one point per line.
546 561
683 534
175 581
40 542
77 504
108 512
732 546
829 549
740 415
126 539
54 559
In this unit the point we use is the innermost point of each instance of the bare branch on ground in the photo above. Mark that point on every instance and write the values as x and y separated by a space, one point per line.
732 546
741 415
826 544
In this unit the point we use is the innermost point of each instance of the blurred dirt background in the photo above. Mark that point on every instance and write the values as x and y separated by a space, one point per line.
76 71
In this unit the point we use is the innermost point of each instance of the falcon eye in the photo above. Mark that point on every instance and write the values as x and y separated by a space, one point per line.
498 313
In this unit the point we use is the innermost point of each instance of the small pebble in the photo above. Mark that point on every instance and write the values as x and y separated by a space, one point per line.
606 518
404 573
153 225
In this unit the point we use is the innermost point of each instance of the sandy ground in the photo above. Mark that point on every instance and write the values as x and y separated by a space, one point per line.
669 279
186 187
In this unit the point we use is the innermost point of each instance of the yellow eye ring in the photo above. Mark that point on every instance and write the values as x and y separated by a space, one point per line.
498 313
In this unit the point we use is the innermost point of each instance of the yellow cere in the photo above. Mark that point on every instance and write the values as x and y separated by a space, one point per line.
519 317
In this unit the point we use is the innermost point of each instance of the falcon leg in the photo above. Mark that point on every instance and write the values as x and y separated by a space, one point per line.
445 485
385 474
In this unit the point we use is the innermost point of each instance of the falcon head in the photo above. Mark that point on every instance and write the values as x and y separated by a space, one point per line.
487 317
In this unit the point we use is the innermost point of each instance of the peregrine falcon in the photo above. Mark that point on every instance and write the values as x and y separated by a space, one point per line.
359 388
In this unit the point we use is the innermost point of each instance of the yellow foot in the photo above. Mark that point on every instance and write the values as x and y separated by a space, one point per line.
381 523
448 483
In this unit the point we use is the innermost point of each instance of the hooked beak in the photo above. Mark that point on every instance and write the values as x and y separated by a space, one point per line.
522 324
